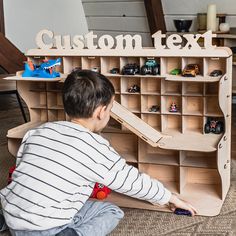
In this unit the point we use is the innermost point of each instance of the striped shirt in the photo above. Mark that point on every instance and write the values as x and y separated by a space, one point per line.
57 166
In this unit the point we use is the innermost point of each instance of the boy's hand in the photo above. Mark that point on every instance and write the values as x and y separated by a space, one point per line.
175 202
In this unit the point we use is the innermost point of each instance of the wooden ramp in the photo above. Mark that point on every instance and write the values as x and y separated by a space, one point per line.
135 124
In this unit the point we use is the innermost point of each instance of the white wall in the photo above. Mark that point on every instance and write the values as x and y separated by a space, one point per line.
24 18
117 17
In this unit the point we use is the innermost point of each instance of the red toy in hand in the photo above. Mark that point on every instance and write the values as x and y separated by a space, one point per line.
100 191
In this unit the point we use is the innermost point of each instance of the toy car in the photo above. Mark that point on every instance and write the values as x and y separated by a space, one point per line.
173 107
191 70
216 73
115 70
134 89
154 108
214 126
175 71
130 69
150 67
95 69
179 211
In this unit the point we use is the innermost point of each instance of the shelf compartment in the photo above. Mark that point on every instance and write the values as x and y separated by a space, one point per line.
170 63
212 107
54 100
198 159
171 88
116 83
171 124
168 175
211 89
131 102
153 155
192 105
108 63
113 125
125 144
193 60
192 177
214 63
128 60
166 102
193 89
56 114
193 124
128 82
147 101
91 62
150 85
55 87
71 63
152 119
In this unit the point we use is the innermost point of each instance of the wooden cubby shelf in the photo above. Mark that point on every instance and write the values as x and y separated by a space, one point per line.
170 146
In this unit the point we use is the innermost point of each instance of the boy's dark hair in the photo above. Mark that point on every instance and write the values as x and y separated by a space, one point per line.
83 91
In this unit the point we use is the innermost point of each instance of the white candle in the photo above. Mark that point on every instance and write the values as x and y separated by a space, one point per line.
211 17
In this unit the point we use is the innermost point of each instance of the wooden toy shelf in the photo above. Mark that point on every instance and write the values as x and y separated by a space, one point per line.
188 161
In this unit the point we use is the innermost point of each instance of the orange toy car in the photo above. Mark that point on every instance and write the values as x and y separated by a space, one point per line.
191 70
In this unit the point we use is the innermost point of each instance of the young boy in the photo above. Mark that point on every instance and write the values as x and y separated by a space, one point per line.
59 162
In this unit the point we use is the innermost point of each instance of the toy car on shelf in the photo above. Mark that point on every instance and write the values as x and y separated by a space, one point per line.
216 73
173 107
45 70
214 126
191 70
150 67
154 108
131 69
134 89
175 71
95 69
115 70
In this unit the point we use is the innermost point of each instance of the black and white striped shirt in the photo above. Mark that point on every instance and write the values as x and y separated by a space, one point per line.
57 166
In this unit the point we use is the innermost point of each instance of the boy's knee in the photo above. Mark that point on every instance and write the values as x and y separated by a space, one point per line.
115 210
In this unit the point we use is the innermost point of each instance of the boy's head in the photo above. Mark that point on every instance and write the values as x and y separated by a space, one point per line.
84 91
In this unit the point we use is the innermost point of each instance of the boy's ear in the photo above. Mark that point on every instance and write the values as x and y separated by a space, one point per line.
100 112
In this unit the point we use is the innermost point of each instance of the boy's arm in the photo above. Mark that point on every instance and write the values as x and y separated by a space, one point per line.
126 179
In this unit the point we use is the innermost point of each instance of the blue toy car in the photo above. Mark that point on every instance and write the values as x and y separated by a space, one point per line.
150 67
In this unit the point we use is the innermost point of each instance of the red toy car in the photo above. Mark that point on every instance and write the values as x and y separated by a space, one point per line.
100 191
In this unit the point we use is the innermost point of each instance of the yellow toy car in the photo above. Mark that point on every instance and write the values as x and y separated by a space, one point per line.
191 70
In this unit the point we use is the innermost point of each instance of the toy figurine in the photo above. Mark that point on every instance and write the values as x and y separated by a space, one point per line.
44 70
173 107
100 191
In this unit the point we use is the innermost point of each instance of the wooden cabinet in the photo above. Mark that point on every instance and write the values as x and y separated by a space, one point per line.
188 161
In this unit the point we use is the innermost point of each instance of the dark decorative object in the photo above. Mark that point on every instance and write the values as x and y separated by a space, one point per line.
182 25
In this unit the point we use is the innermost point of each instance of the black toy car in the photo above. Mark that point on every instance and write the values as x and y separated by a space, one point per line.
216 73
154 108
131 69
134 89
115 70
179 211
150 67
214 126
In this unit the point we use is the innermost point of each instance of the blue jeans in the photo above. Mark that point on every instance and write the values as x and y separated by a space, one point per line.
94 219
